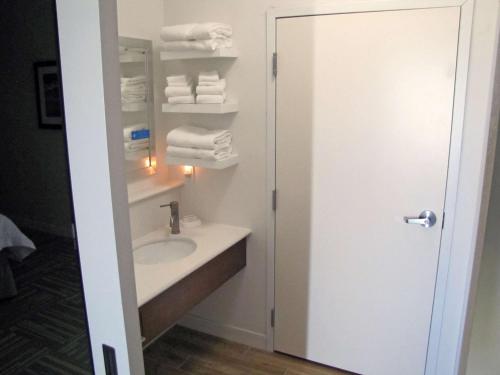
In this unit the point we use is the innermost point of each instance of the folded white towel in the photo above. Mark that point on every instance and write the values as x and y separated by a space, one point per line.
140 144
198 45
211 30
212 89
133 89
198 153
138 99
213 83
178 80
189 82
178 91
127 131
187 99
132 80
212 76
193 31
211 99
194 136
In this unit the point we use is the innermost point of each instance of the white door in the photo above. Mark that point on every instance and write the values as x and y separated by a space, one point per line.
363 122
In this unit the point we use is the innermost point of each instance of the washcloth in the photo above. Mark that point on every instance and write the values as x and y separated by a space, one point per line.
178 91
212 76
211 99
213 89
188 99
194 136
178 80
213 83
140 144
127 131
198 45
193 31
198 153
11 238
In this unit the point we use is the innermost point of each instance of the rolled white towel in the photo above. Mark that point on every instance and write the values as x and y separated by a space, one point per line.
198 45
194 136
127 131
178 80
193 31
187 99
212 76
178 91
211 99
140 144
198 153
217 89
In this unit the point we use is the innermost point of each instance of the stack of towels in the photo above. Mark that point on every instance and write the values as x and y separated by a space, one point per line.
133 89
197 36
179 90
211 89
192 142
136 137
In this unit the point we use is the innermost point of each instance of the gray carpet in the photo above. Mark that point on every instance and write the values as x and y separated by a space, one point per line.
43 329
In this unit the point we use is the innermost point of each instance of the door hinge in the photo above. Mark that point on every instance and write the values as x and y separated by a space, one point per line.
73 235
275 64
274 200
272 318
442 224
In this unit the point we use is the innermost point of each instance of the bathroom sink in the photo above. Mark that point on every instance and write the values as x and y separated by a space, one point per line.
165 251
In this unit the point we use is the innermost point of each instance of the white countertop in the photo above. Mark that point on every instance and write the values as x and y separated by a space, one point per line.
211 240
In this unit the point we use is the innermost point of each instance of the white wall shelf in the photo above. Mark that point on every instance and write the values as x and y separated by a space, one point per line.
141 191
224 53
221 164
134 107
229 106
132 58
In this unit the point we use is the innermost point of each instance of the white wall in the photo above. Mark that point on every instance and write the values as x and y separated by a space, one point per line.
235 196
35 181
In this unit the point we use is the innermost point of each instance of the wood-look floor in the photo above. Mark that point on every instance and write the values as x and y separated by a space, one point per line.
182 351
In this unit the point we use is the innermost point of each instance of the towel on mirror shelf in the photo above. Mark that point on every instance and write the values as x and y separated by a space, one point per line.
212 76
198 45
128 81
199 153
178 91
187 99
195 31
178 80
140 144
211 99
194 136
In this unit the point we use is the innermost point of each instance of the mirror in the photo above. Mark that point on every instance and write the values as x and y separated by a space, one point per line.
136 85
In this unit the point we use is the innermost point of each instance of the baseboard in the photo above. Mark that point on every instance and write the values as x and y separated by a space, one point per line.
228 332
56 229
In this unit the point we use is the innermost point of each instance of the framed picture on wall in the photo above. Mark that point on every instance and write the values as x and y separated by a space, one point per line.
48 90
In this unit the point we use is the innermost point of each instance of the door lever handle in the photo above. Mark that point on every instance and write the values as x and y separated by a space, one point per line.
426 219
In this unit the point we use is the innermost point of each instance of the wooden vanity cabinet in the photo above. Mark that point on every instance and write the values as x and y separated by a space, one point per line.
166 309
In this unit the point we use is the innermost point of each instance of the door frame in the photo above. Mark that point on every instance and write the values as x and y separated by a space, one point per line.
88 48
443 285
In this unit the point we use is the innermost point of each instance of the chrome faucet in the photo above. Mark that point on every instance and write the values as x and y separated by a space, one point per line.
174 216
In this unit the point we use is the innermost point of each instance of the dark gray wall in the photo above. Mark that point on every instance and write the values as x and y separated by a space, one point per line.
34 188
